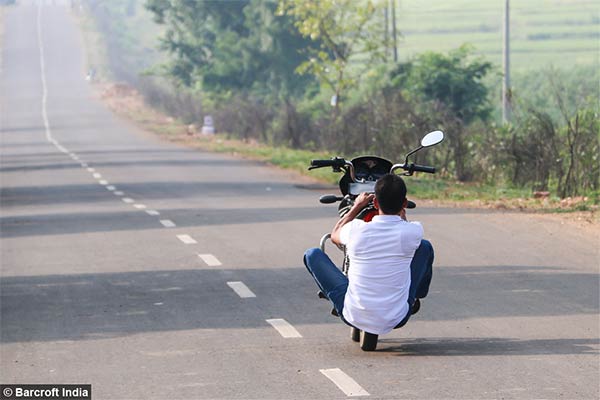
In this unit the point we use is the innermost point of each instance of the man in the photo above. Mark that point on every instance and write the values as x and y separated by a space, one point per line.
390 263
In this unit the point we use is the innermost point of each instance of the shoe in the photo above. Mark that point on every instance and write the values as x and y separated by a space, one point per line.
415 307
334 312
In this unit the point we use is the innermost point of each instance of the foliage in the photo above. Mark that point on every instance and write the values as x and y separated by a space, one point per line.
239 61
556 152
453 79
450 88
123 54
231 46
345 29
536 89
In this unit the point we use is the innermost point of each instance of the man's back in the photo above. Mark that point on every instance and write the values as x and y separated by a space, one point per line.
379 277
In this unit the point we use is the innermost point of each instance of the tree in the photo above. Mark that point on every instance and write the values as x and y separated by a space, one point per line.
455 79
200 34
227 46
452 88
277 50
346 30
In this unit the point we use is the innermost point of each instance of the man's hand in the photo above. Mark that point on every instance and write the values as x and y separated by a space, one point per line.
363 200
403 214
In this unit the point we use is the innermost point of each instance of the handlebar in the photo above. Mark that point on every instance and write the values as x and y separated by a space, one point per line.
411 168
336 163
423 168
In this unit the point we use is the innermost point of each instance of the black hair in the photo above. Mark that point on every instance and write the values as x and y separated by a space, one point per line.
390 192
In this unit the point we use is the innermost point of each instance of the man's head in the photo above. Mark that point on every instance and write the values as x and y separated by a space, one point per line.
390 193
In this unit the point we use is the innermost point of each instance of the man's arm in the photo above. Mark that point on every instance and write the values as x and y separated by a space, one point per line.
361 202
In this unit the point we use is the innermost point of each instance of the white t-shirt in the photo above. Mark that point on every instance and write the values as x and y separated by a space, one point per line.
380 254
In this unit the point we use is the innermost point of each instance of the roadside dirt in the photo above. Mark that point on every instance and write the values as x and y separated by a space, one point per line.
587 222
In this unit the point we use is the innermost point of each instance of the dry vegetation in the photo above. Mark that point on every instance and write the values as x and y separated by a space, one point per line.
126 102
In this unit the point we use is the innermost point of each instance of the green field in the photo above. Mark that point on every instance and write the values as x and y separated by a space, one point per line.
562 33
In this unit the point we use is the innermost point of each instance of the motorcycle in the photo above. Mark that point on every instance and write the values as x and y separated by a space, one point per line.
360 175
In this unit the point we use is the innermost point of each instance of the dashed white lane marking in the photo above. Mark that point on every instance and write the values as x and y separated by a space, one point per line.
118 193
167 223
140 206
152 212
168 289
242 290
130 313
97 175
170 353
103 182
127 200
111 188
344 382
90 169
284 328
210 260
187 239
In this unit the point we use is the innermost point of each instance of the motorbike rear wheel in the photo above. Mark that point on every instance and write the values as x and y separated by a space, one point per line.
368 341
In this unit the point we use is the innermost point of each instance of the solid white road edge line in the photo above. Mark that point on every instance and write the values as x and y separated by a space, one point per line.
241 289
187 239
43 78
344 382
284 328
210 260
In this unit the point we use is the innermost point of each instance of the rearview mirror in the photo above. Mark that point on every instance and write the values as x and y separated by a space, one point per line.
432 138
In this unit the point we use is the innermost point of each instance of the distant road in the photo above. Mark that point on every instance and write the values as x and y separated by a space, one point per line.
152 271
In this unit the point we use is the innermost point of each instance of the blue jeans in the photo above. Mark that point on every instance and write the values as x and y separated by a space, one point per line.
334 284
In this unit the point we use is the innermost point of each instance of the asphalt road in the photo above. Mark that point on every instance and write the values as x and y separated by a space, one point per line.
100 285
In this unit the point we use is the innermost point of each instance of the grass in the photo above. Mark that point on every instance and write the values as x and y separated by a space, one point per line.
443 191
538 27
295 160
421 187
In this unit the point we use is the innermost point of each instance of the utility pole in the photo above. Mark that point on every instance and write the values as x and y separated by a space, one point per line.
506 90
386 39
394 37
